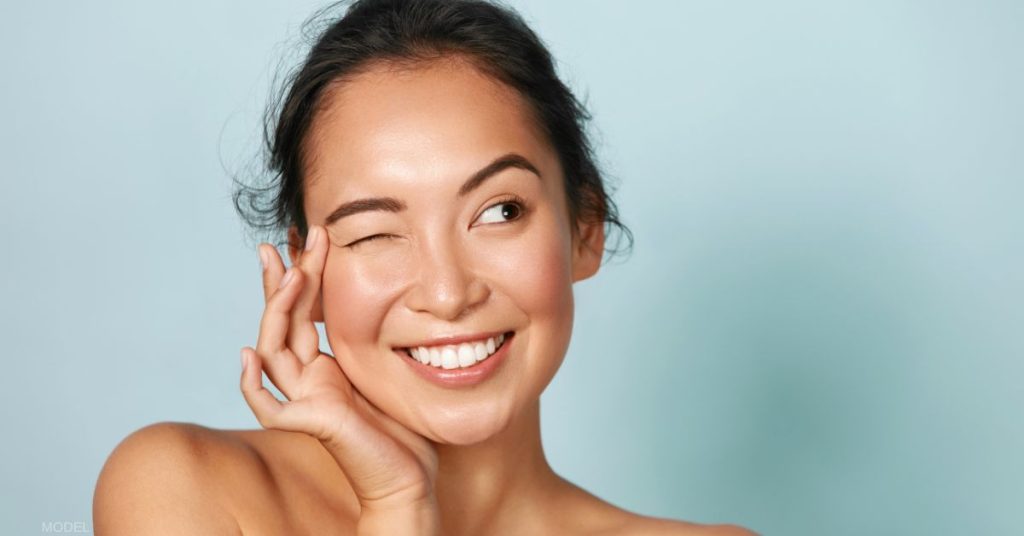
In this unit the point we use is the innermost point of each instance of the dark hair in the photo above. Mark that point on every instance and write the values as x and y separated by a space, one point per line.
490 35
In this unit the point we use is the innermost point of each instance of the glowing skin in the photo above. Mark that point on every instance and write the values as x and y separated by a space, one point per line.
449 267
444 270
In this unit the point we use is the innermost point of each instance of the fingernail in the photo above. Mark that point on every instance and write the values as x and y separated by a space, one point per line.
288 276
311 237
263 258
243 359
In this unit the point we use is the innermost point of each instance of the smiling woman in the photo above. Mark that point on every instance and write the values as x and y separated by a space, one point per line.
439 198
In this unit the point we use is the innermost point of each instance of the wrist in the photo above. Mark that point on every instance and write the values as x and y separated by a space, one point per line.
400 486
420 518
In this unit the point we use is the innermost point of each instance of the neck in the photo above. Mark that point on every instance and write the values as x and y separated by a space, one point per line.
495 486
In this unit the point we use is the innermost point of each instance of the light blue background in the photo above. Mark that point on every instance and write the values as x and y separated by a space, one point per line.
819 331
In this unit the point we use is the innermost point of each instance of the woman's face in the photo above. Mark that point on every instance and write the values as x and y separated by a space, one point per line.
451 261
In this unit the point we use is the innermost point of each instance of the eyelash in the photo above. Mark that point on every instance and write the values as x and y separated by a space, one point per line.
511 199
368 239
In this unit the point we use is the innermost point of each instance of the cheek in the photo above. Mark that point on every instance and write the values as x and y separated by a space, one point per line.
543 278
537 274
356 297
539 283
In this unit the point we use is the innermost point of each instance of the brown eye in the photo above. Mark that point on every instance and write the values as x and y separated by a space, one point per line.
502 212
510 211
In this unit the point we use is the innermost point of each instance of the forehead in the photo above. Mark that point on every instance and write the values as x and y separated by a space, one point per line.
436 121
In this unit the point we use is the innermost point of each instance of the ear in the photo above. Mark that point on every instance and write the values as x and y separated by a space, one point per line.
296 246
587 249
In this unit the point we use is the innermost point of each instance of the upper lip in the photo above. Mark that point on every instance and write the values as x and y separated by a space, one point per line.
454 339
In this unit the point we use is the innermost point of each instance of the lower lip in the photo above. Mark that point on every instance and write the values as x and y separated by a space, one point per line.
460 377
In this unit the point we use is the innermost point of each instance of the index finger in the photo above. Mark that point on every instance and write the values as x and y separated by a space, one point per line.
303 338
273 269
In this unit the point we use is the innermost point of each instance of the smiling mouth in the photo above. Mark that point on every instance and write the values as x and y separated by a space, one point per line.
455 356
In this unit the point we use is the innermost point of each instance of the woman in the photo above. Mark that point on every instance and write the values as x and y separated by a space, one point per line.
440 200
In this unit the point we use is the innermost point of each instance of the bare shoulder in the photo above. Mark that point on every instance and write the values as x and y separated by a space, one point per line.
158 480
656 526
593 515
182 478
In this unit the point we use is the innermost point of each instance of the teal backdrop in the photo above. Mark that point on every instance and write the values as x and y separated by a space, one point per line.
819 330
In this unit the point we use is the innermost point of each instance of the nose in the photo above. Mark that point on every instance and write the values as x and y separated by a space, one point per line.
447 286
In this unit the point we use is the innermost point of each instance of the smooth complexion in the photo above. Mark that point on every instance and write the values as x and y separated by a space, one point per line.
437 209
447 264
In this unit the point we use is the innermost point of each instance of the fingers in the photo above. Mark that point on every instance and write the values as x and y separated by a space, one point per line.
283 367
303 338
269 411
273 269
262 402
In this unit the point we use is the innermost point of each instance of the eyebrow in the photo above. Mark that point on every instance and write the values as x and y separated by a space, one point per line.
390 204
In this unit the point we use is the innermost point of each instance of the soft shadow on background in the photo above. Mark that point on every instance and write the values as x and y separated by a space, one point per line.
818 332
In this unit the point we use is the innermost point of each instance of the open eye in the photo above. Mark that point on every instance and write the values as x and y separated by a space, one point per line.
504 211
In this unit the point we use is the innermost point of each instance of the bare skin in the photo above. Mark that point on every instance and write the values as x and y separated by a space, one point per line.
362 445
267 482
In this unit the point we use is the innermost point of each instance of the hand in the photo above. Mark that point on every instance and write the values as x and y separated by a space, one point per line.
389 466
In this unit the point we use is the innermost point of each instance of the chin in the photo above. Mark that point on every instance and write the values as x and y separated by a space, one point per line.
464 427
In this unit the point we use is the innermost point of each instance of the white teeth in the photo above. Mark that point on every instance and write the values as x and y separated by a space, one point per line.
459 355
449 359
466 355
